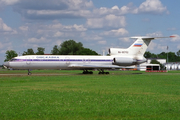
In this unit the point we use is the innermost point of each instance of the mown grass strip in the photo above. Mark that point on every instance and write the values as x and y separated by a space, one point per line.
124 95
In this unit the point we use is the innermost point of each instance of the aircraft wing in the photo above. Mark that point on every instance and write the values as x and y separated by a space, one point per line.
94 66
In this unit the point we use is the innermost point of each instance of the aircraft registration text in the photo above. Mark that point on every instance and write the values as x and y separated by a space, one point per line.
123 52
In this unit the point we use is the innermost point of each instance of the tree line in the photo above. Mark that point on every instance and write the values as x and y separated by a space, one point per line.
69 47
171 56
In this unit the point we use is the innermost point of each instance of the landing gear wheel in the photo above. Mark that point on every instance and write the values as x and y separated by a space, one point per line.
107 73
90 72
87 72
102 72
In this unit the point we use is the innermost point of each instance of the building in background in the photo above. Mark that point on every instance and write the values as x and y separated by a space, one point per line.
148 66
172 66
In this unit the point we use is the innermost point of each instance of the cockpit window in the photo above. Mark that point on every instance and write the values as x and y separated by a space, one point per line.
13 59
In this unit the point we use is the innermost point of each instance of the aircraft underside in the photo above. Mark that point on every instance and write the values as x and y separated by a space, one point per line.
85 71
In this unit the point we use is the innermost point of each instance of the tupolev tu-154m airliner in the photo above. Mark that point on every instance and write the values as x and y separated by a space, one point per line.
119 58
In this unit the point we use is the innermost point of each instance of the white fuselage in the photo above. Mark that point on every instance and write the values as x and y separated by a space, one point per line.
58 61
70 62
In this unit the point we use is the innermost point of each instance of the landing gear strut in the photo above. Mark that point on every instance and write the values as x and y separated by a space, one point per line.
29 73
87 72
101 71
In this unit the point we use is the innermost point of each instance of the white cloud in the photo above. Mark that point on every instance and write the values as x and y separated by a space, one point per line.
178 47
8 2
74 27
172 29
58 42
125 39
54 9
55 14
79 27
79 4
53 26
158 46
59 9
4 29
115 33
103 11
155 34
58 34
107 21
103 42
92 37
5 45
130 8
115 7
151 6
54 4
152 46
59 26
175 39
36 40
24 28
55 30
161 47
125 9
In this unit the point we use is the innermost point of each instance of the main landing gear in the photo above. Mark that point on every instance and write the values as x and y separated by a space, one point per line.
87 72
101 71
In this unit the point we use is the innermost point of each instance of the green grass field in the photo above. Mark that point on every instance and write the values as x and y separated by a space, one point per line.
120 95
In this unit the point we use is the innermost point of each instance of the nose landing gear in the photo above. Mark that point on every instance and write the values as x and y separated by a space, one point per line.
29 73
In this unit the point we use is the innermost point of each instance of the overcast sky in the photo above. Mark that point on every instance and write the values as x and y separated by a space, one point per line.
98 24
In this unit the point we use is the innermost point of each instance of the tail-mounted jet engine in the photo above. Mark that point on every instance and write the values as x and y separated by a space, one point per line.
124 61
127 61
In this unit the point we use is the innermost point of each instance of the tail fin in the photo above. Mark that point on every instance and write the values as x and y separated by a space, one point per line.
138 48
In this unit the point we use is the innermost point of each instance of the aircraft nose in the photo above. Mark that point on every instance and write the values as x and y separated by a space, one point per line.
6 64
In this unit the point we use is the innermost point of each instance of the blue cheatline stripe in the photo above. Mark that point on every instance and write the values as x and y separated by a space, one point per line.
77 60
